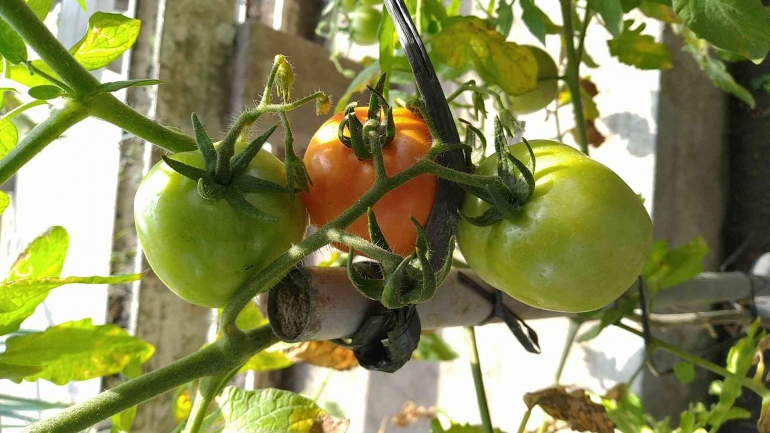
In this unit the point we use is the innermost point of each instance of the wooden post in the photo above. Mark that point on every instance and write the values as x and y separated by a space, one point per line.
192 53
690 199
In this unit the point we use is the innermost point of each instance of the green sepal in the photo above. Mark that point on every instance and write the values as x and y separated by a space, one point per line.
427 280
225 151
344 139
388 124
296 172
240 162
418 107
184 169
479 105
489 217
374 101
357 139
479 192
500 201
476 154
375 233
442 273
240 203
391 294
250 184
205 145
369 287
529 178
422 237
506 168
531 165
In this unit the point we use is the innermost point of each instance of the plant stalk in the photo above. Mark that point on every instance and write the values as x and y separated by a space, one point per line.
478 380
573 75
218 358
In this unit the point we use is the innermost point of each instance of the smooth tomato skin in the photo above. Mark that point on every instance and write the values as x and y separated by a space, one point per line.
340 178
365 22
579 243
204 250
547 90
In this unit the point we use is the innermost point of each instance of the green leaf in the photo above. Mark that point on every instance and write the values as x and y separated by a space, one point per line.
533 18
468 40
358 84
608 317
666 267
11 371
4 201
43 257
118 85
761 82
121 422
628 5
19 298
76 351
250 317
635 49
9 136
611 12
504 20
108 36
627 413
82 4
433 348
12 46
684 372
387 37
40 7
741 26
267 361
275 410
22 75
659 11
45 92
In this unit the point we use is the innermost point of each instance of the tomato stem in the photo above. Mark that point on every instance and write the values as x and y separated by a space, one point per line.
573 75
478 380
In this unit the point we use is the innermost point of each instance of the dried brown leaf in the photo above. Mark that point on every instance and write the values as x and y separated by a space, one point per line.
411 413
323 354
329 424
575 407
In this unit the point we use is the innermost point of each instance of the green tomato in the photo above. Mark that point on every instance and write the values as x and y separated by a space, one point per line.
547 89
365 21
580 241
348 5
203 249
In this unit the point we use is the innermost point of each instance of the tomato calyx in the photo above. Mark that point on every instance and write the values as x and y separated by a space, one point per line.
398 283
509 196
378 130
225 175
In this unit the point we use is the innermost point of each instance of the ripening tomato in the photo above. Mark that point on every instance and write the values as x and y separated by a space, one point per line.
547 85
340 178
579 243
205 249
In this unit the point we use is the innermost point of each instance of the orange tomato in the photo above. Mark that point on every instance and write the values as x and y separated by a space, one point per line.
340 178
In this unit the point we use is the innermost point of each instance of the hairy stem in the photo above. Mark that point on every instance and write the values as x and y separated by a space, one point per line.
573 75
108 108
218 358
478 380
40 137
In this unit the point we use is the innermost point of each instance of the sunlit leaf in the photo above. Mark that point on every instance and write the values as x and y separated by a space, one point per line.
275 410
11 371
12 46
9 136
76 351
267 361
22 75
684 372
433 348
19 298
43 257
625 410
666 267
45 92
635 49
108 36
466 40
741 26
40 7
4 201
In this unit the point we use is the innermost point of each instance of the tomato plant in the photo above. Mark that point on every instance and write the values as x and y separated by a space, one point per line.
223 224
204 249
579 242
340 178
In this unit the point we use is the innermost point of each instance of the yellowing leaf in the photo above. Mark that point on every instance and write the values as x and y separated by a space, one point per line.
9 136
43 257
666 267
466 40
635 49
108 36
267 361
267 410
323 354
659 11
76 351
22 75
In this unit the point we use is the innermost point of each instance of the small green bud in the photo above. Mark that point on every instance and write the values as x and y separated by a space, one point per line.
284 77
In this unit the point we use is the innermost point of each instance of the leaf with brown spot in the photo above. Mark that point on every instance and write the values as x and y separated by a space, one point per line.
574 407
323 354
